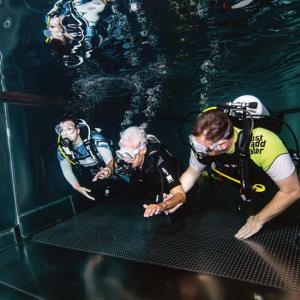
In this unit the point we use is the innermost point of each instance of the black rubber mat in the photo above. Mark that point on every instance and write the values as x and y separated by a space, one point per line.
203 243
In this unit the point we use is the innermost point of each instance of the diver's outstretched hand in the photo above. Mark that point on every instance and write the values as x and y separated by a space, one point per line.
85 192
103 173
252 226
152 209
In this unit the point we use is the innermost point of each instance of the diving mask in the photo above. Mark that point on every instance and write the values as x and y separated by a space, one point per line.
199 148
65 130
203 150
128 154
47 33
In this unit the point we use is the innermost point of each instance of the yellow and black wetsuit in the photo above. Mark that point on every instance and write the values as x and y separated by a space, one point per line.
269 160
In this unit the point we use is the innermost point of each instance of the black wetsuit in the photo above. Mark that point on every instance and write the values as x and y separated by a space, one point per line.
158 174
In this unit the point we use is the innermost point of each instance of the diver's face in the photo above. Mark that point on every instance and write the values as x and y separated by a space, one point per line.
210 148
69 131
132 154
139 159
56 28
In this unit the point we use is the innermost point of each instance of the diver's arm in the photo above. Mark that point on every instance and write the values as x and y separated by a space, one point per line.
111 164
289 192
176 199
68 173
189 177
71 178
105 152
105 172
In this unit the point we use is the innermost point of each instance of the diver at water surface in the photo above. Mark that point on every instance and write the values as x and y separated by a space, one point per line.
128 63
71 27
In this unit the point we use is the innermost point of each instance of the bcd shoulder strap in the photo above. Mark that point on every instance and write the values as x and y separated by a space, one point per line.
243 142
90 146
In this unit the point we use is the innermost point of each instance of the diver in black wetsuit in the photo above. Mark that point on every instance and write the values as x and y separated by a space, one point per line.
153 171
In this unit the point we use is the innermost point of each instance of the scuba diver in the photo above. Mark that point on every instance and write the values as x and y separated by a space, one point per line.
83 149
152 170
246 156
71 28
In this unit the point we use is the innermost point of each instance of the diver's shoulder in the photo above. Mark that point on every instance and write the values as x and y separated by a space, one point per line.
97 136
152 139
263 131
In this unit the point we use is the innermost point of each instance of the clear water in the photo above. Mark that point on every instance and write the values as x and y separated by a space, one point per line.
165 58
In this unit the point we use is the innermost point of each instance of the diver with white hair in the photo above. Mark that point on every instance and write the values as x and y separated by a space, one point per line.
152 169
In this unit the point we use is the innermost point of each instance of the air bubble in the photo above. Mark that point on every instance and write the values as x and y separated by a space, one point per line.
7 23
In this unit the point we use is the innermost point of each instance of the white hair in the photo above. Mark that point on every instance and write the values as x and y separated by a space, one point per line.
134 135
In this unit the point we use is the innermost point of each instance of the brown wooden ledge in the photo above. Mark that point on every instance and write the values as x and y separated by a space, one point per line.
31 99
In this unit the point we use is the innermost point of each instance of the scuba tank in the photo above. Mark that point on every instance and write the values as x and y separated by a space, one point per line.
253 105
252 108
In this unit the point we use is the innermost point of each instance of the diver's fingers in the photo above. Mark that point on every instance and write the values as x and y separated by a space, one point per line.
252 226
97 176
90 197
152 209
85 192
